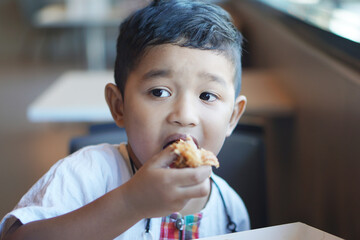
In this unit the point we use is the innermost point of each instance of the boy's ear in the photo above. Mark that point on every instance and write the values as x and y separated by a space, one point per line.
115 102
239 108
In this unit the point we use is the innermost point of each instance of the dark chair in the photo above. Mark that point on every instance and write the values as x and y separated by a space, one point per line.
242 163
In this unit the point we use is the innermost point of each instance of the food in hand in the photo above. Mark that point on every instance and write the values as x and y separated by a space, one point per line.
190 156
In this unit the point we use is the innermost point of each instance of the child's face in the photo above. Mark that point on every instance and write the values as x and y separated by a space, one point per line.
176 91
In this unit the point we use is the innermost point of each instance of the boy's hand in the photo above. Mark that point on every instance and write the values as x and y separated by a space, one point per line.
156 190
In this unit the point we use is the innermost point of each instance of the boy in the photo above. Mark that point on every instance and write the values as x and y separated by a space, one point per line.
177 73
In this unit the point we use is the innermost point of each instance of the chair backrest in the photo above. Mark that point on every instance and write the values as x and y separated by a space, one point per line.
242 163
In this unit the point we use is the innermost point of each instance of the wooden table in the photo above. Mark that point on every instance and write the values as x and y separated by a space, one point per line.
266 97
77 96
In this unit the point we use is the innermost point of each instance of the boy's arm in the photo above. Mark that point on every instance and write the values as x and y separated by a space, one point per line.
104 218
153 192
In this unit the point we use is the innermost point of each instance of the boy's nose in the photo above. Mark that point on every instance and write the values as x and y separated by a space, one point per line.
184 112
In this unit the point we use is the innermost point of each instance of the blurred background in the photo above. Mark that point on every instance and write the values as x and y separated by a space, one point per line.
301 76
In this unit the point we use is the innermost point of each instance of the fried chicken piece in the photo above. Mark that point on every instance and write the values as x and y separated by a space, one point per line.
190 156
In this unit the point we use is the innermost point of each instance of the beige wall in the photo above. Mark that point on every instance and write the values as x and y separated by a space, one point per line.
318 181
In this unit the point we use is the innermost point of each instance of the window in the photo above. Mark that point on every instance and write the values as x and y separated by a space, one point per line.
341 17
332 25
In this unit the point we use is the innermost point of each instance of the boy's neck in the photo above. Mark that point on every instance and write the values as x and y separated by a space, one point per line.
133 157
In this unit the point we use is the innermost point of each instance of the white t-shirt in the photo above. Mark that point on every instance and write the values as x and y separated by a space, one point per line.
95 170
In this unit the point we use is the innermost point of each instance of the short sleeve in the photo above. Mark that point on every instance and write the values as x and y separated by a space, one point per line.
70 184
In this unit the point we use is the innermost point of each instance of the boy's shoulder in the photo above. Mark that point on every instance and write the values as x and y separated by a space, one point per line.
220 182
104 150
102 161
102 156
225 202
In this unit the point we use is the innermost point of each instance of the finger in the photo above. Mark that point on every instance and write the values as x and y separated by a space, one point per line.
184 177
163 159
196 191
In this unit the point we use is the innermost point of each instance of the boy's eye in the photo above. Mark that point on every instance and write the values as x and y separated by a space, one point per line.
209 97
160 93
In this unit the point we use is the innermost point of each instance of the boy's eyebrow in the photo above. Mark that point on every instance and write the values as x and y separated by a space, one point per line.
214 78
152 74
156 73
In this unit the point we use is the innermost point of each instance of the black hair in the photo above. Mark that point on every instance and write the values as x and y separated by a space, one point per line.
186 23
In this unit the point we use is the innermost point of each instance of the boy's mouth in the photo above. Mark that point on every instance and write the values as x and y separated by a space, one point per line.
169 143
177 137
